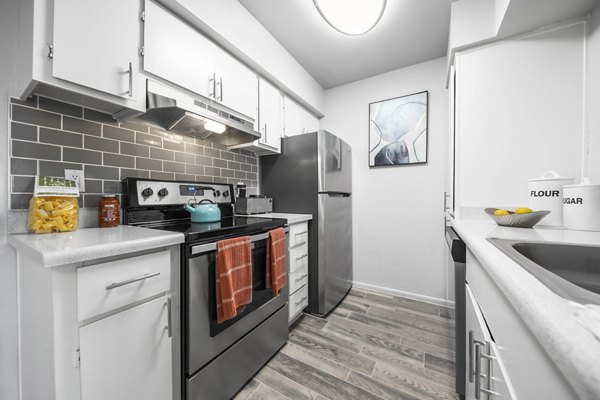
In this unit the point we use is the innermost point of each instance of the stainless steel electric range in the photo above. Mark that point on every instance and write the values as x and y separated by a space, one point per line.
215 360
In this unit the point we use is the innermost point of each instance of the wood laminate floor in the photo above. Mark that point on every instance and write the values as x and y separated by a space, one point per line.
372 346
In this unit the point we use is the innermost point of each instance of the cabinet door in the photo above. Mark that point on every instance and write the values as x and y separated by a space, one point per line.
96 44
128 355
297 120
237 86
270 115
483 359
178 53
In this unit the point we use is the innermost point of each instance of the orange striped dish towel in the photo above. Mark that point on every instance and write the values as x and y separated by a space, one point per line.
234 277
276 260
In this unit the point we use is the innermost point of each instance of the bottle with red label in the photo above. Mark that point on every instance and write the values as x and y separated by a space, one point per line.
108 211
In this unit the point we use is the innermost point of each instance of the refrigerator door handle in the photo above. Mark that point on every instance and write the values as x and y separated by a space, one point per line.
336 194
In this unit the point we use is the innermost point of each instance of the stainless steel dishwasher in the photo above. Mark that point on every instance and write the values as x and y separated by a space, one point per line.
457 253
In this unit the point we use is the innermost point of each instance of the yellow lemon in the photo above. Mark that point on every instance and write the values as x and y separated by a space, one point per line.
523 210
501 212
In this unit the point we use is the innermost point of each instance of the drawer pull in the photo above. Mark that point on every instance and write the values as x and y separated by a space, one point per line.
301 300
301 257
298 279
130 281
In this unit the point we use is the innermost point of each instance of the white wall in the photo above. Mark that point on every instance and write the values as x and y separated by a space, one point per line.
9 380
520 112
398 211
593 96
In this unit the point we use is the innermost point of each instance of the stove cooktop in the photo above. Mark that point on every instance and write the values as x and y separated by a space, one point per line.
226 227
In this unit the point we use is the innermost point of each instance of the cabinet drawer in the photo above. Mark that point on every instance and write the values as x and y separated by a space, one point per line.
108 286
298 257
298 234
299 278
298 301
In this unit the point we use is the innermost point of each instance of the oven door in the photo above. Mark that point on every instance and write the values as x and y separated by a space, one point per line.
205 339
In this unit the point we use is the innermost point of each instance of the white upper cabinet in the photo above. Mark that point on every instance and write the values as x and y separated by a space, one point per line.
83 51
270 115
236 85
178 54
297 120
183 56
96 45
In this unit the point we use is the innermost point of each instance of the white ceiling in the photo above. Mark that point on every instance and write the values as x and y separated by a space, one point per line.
410 32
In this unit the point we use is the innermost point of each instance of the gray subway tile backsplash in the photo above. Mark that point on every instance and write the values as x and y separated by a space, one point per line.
23 166
60 107
24 132
117 160
112 132
35 150
82 156
49 136
36 117
81 126
54 136
100 144
97 172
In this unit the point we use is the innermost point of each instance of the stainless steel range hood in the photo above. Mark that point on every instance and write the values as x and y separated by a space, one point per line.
174 111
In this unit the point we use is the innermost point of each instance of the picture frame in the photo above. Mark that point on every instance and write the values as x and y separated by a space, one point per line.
398 130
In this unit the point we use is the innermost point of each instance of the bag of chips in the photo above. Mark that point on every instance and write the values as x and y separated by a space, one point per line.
53 207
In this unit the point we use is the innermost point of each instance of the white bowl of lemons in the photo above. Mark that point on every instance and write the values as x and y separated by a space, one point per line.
522 217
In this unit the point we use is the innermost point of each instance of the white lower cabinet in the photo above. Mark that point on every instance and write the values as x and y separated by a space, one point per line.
485 373
298 265
128 355
100 329
520 367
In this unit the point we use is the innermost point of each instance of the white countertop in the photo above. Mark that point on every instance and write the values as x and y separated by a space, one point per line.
54 249
564 329
290 218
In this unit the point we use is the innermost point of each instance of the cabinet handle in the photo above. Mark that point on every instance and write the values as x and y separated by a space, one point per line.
266 134
130 80
301 300
477 371
130 281
50 51
220 89
301 257
169 325
301 277
212 86
471 343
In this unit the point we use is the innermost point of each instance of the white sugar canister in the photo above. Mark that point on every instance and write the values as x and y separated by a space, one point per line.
546 193
581 206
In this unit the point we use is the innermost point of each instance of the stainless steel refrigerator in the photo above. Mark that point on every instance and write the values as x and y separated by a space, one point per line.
313 175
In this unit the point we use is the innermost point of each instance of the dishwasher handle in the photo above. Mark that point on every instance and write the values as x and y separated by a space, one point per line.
456 246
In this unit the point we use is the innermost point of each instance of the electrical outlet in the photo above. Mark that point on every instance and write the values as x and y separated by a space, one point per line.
77 176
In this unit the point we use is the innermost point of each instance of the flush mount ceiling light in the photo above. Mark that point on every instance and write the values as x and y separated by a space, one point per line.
351 17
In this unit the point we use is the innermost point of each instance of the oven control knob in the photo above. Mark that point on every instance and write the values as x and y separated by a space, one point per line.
147 192
226 193
217 193
163 192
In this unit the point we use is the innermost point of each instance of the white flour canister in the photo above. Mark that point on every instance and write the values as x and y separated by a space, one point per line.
581 206
546 193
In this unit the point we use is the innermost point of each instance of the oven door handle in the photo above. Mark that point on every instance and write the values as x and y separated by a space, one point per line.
204 248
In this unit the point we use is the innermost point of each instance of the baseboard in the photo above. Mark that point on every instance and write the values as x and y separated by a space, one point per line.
401 293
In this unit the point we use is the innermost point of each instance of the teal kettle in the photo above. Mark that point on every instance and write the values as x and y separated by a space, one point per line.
204 211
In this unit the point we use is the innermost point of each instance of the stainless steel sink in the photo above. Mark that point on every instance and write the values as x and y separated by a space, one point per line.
571 271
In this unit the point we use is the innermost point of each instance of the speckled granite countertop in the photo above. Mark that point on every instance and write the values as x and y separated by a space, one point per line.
564 329
290 218
55 249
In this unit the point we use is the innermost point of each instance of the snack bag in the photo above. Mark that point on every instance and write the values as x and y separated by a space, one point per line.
53 207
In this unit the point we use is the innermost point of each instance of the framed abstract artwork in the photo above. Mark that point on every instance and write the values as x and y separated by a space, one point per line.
398 130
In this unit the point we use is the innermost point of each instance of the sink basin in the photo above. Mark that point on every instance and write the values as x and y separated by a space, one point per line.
571 271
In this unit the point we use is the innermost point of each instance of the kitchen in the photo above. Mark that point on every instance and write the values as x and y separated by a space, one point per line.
511 89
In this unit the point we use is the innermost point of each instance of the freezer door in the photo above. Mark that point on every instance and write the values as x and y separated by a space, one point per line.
335 249
334 163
